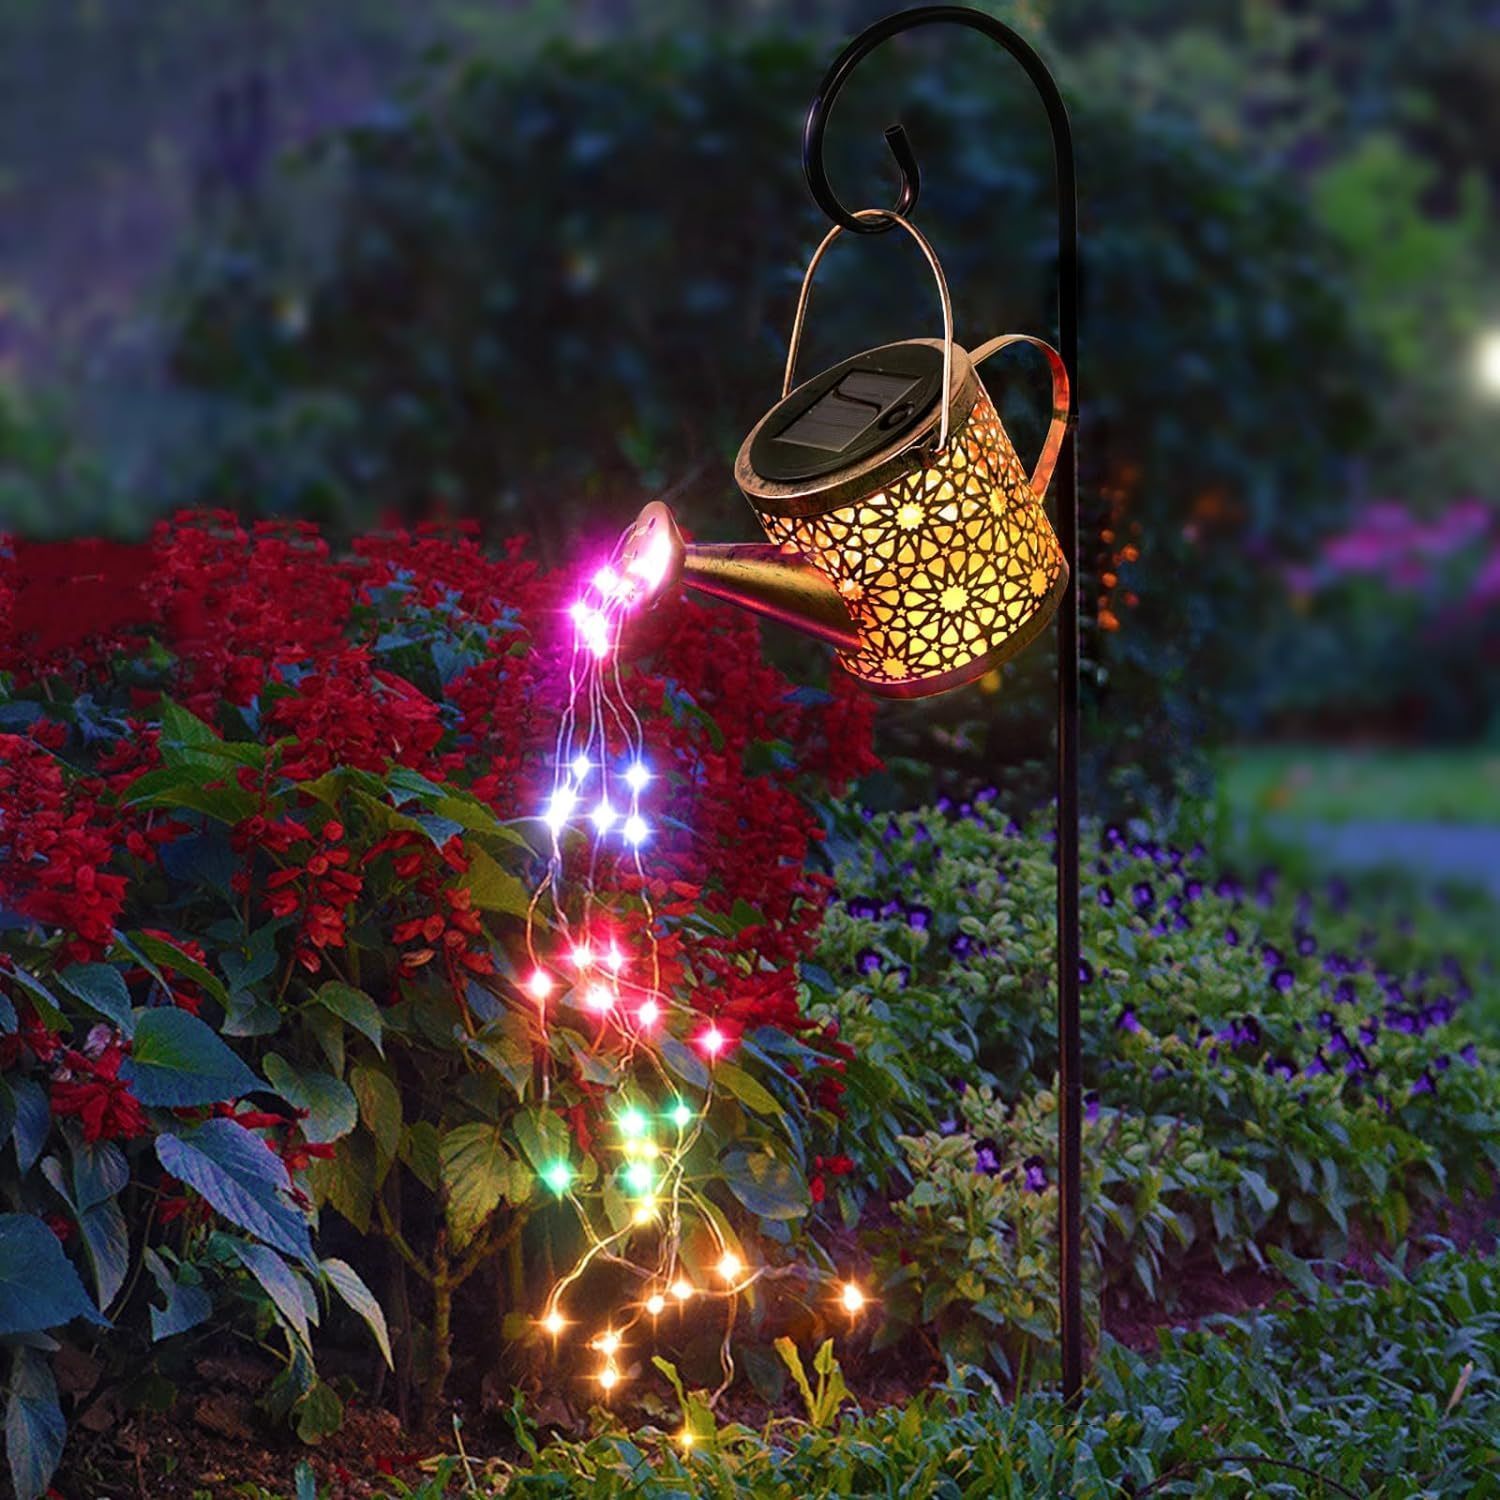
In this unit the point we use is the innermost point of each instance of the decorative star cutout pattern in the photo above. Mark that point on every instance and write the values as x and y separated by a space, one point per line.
942 568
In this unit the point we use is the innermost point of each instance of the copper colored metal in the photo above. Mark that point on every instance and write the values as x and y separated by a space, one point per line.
772 581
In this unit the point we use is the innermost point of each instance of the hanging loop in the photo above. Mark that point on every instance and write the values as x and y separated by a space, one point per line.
863 216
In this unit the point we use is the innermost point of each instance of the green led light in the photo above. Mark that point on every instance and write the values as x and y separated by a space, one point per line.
682 1116
639 1177
632 1124
558 1177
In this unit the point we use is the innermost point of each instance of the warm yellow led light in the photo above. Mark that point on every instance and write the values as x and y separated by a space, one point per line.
730 1266
656 1304
554 1322
609 1377
644 1211
607 1343
685 1438
682 1289
852 1298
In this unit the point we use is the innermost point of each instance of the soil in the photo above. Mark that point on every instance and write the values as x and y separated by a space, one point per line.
213 1442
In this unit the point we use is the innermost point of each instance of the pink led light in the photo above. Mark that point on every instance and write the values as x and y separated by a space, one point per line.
614 960
649 1013
607 581
599 999
713 1041
581 956
651 566
539 984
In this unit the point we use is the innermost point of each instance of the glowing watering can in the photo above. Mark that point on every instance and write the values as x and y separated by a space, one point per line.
904 529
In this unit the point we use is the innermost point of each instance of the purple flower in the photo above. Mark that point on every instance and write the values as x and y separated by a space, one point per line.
863 909
1442 1062
1036 1174
1283 979
1369 1030
948 1127
1227 888
944 804
1307 944
1180 923
987 1158
1426 1084
1279 1067
1106 896
1143 896
1085 971
1357 1063
902 975
960 944
1469 1053
1126 1021
1270 955
1232 937
1091 1106
919 917
1345 992
868 961
1318 1065
1193 890
919 833
891 908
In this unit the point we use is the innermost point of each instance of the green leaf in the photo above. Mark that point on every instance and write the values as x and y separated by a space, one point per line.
38 1286
347 1183
543 1135
45 1001
188 1304
170 956
319 1414
770 1188
178 1060
280 1283
33 1121
684 1062
247 1184
35 1431
746 1089
355 1007
494 888
345 1280
476 1177
419 1150
102 989
329 1101
380 1109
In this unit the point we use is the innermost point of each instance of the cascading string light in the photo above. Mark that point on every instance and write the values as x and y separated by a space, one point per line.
599 794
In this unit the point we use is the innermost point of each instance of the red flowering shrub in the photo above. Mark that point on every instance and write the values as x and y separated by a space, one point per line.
268 832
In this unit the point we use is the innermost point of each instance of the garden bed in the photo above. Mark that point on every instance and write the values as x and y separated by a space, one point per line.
315 1128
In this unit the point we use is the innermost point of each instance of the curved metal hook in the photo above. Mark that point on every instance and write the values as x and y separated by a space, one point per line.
896 137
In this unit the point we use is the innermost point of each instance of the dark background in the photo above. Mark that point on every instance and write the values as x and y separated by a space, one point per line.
363 262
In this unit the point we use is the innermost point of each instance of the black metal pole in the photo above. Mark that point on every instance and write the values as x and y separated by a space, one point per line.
1070 1050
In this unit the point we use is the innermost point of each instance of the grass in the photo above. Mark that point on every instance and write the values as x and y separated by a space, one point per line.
1319 783
1385 1388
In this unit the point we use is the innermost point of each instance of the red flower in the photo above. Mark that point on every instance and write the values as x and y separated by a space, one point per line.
91 1089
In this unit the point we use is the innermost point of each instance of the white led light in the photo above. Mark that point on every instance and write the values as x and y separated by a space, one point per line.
1488 362
637 777
614 960
635 829
599 999
581 766
560 809
604 816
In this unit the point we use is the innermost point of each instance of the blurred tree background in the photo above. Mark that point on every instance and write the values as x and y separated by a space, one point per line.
535 262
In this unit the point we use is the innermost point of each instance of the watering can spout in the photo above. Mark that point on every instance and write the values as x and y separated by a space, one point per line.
774 581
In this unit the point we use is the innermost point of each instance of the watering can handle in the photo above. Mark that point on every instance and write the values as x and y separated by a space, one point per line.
1041 476
930 255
